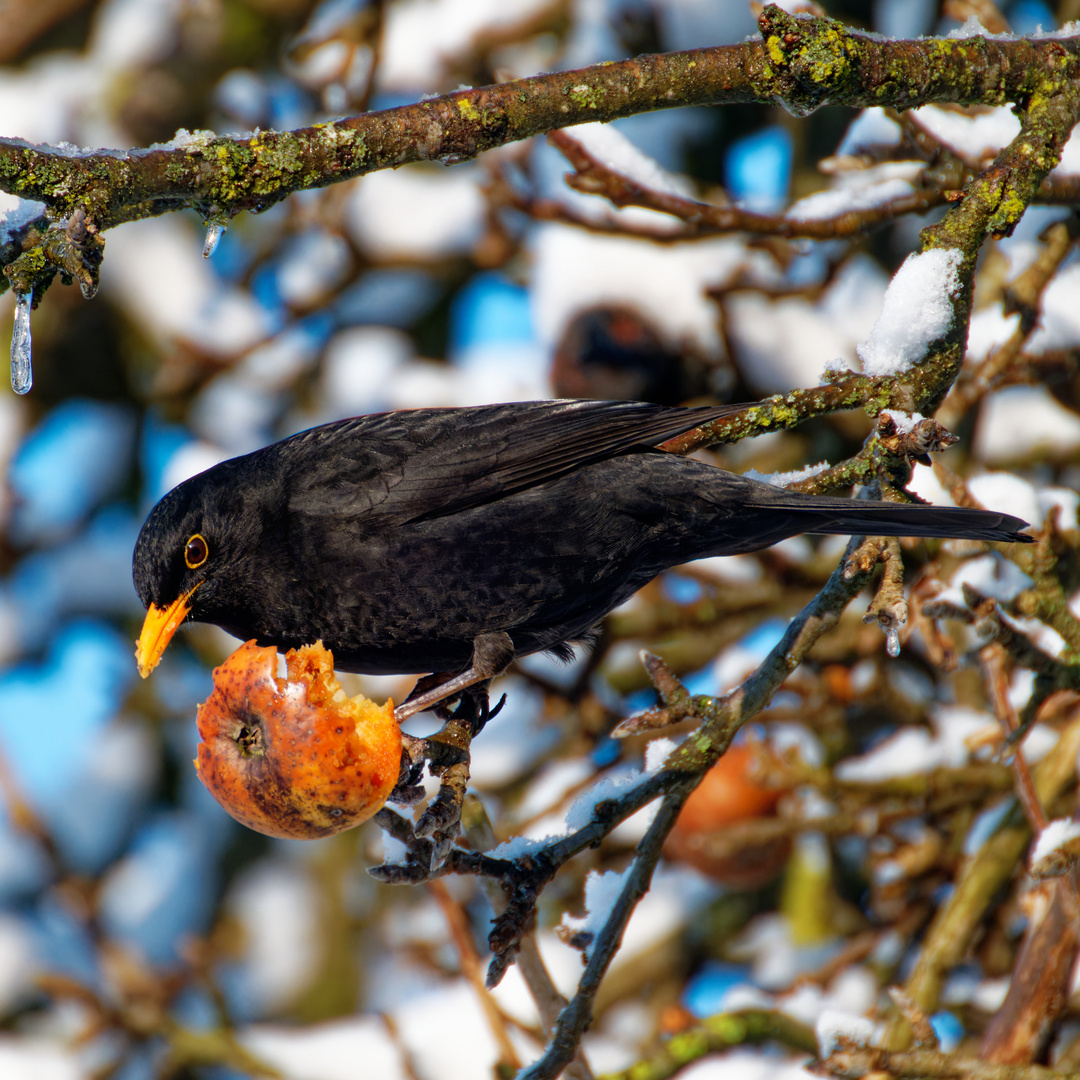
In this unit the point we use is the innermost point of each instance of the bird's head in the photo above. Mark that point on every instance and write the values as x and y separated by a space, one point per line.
186 560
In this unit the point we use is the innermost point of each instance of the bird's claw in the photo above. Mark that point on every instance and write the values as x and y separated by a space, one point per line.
424 858
415 870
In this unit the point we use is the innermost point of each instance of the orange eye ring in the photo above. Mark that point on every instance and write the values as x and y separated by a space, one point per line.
196 552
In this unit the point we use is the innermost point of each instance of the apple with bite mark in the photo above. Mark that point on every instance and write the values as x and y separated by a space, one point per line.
294 757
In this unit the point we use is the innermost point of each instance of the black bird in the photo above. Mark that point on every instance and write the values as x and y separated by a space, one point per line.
443 539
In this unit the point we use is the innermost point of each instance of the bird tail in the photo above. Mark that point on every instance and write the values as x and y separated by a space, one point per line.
823 514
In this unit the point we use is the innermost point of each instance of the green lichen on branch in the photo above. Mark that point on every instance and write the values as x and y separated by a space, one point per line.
818 61
786 411
718 1033
992 204
994 201
254 172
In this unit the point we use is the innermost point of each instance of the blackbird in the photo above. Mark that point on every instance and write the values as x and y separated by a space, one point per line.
437 540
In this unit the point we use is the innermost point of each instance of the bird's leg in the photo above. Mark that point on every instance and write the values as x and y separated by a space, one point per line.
492 654
447 755
427 698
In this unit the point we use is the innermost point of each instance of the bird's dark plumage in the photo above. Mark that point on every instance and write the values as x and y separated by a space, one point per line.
399 539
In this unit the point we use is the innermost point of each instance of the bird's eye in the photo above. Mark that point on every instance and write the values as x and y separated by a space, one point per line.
196 552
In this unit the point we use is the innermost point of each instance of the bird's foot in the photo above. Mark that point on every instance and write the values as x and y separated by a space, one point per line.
410 788
446 754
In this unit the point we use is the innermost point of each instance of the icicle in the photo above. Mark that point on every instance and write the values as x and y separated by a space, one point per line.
22 376
214 230
892 642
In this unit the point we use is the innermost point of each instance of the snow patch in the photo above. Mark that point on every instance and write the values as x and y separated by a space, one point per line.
602 891
975 136
835 1028
917 311
1053 836
782 479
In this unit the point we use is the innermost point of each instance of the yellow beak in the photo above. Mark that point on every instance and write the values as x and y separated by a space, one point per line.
157 631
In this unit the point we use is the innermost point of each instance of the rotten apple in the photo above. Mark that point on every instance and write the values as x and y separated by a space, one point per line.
294 757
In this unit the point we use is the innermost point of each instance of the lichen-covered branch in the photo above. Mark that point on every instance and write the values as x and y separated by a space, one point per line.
815 62
721 1032
992 204
781 412
802 63
1023 296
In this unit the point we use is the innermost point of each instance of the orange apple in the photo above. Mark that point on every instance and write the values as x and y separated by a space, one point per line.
710 819
294 757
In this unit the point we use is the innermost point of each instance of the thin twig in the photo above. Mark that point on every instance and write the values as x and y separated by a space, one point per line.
549 1002
701 220
576 1017
993 661
471 969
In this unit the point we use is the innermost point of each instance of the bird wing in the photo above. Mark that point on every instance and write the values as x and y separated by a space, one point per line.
402 467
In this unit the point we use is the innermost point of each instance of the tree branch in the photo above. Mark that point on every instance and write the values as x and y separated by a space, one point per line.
802 63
